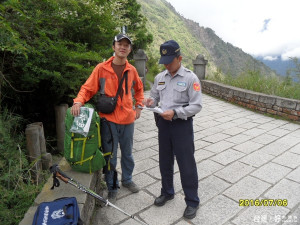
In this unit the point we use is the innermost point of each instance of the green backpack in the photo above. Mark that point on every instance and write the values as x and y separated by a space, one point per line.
83 151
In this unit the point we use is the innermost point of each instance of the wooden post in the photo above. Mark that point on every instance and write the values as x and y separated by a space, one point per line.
60 114
39 126
45 157
33 146
46 161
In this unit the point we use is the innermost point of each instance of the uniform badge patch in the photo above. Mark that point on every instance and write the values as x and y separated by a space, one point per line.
196 86
183 84
161 83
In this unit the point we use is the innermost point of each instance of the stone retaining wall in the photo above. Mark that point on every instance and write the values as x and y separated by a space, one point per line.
274 105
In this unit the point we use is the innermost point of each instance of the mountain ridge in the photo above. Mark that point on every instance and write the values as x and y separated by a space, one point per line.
280 66
165 23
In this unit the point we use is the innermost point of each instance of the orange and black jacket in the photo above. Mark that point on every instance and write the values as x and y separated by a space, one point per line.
124 112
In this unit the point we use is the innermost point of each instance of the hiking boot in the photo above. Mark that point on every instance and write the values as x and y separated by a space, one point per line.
131 187
112 196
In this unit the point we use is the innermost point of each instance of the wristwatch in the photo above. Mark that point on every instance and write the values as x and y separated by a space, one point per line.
175 115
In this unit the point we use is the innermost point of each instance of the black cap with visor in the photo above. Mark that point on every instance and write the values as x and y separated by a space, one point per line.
119 37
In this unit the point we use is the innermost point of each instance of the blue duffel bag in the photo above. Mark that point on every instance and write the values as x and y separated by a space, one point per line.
61 211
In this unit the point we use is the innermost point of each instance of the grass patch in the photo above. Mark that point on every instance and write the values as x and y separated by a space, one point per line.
17 190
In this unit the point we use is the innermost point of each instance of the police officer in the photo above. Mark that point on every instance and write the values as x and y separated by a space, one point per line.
178 91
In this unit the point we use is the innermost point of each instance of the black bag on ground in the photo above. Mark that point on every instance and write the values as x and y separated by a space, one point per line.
58 212
107 104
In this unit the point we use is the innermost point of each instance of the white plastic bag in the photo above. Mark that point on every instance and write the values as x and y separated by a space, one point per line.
81 124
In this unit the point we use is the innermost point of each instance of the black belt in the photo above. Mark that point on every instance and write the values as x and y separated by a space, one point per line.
190 117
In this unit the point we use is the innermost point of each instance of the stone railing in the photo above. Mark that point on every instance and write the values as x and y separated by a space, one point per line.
274 105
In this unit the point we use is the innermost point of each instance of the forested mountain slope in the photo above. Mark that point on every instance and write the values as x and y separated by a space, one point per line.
165 23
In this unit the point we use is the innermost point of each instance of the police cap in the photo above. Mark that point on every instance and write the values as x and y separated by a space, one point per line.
168 51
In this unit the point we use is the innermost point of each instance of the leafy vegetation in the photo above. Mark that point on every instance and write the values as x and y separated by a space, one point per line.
48 49
17 192
294 73
255 81
153 68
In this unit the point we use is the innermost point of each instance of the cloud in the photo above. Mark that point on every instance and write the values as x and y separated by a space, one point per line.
260 28
270 58
265 26
290 54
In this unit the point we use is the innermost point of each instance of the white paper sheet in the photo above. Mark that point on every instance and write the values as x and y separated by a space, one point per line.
155 109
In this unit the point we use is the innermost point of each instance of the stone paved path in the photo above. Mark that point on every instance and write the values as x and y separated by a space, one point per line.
241 156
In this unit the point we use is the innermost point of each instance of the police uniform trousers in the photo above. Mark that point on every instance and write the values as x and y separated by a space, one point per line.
176 140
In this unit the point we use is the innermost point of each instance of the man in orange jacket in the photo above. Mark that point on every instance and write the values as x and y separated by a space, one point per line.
106 76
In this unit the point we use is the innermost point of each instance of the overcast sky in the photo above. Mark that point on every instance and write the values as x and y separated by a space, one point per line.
266 28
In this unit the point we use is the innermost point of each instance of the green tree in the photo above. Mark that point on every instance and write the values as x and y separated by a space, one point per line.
136 25
62 40
48 48
295 71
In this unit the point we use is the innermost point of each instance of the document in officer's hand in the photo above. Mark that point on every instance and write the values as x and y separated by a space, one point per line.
155 109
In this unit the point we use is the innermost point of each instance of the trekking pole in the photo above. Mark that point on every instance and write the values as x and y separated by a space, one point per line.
57 173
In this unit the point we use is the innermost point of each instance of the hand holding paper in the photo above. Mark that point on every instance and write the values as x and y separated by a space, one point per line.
81 123
155 109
